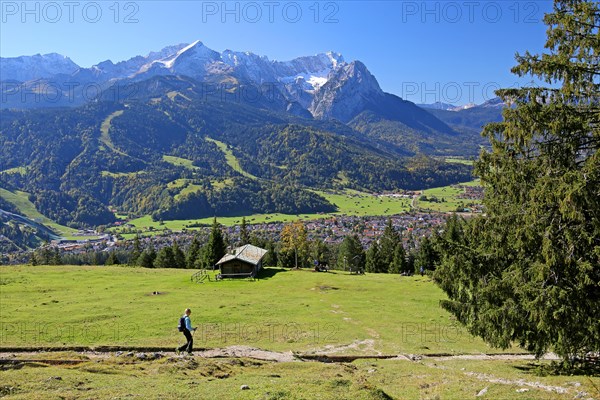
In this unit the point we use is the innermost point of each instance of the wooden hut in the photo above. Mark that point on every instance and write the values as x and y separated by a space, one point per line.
241 262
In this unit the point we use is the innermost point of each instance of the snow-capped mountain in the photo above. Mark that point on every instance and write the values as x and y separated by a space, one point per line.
438 105
298 77
296 81
495 102
26 68
107 70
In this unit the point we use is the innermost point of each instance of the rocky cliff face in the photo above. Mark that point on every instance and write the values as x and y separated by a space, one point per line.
347 92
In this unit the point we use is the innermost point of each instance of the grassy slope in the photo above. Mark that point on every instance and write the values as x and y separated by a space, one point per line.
104 132
200 378
178 161
26 207
292 310
110 305
231 160
16 170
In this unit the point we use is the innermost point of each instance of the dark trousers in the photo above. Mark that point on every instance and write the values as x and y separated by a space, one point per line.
190 341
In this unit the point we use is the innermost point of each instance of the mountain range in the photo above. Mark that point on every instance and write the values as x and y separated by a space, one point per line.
187 132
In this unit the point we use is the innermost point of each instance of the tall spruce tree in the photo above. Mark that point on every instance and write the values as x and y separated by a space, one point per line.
165 258
215 248
426 257
244 234
193 253
529 271
398 264
373 262
137 251
387 246
351 254
178 256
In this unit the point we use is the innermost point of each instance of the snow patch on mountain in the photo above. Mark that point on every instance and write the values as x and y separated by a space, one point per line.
26 68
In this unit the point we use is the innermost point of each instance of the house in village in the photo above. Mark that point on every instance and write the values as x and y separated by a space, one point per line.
244 261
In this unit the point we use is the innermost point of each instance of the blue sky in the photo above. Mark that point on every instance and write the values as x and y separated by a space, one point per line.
424 51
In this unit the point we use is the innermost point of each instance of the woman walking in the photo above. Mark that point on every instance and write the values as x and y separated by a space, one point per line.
186 327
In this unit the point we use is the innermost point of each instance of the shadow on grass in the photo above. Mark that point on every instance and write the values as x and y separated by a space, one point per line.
267 273
591 369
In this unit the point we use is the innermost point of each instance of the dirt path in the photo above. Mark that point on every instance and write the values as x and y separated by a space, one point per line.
326 354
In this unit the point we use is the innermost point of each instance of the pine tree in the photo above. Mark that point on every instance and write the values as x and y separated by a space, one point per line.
56 259
165 258
426 257
112 259
271 258
137 251
374 262
529 271
215 248
244 235
351 254
193 253
387 245
147 258
398 264
178 256
319 251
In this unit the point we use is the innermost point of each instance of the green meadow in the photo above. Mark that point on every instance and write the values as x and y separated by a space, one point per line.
351 203
447 198
21 201
286 311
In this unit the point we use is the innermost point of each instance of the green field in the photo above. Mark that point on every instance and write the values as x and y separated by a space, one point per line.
287 311
17 170
447 196
459 160
121 174
27 208
301 310
349 202
180 162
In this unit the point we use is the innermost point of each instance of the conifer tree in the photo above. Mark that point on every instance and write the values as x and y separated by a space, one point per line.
137 251
244 234
165 258
529 271
398 264
215 248
193 253
351 254
387 245
178 256
373 262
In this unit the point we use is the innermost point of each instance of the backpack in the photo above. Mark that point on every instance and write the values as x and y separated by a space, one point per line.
181 325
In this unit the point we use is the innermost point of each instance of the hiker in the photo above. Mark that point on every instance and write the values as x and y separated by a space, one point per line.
185 326
422 270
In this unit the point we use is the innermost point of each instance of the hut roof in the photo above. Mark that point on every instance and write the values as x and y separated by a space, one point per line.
247 253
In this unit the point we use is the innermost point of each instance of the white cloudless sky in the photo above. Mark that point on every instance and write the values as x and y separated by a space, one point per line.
424 51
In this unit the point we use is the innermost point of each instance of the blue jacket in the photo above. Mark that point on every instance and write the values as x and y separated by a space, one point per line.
188 323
